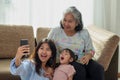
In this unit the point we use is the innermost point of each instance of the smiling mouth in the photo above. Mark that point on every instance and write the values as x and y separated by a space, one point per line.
62 58
67 27
44 56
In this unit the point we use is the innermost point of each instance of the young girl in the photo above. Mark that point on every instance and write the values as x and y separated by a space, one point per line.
65 71
40 64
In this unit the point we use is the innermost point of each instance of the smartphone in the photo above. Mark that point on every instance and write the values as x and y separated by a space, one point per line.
24 42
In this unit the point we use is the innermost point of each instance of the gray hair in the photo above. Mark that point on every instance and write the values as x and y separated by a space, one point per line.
75 12
77 16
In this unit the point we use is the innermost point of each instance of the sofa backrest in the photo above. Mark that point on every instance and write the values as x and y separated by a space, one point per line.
41 33
10 36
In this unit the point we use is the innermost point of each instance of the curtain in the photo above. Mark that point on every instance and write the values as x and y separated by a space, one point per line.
49 12
15 12
42 13
107 15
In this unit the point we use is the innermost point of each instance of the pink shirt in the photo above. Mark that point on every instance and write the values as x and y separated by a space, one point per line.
63 72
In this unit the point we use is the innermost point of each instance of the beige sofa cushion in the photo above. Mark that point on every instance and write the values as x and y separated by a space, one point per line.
105 44
10 36
5 70
4 65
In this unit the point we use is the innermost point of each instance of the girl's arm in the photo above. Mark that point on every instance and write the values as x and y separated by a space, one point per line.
18 67
20 53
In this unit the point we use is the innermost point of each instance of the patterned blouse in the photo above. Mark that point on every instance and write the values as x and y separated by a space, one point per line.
80 42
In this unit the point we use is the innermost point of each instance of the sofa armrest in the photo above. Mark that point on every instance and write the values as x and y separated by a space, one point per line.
105 44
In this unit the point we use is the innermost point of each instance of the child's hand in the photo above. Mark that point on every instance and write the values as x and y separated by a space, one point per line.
48 75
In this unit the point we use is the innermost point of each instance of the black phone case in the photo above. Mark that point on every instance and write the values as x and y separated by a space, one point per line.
23 42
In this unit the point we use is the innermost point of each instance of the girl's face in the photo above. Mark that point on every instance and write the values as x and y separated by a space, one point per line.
65 57
69 23
44 52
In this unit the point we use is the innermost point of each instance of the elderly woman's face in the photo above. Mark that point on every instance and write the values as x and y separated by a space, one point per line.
69 23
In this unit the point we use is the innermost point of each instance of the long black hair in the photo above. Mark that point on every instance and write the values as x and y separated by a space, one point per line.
51 62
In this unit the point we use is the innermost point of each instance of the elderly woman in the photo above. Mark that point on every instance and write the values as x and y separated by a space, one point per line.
70 34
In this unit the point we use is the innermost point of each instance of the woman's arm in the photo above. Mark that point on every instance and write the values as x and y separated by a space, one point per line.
88 48
24 70
20 53
17 67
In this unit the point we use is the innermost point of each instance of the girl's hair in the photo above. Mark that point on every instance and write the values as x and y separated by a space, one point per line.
77 16
51 62
72 54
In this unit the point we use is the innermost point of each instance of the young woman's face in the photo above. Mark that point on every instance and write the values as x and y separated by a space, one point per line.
69 23
44 52
65 57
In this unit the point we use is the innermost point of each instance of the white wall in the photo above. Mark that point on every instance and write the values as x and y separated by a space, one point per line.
118 17
118 30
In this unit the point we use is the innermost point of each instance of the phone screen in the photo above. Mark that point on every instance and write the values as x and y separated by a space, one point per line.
24 42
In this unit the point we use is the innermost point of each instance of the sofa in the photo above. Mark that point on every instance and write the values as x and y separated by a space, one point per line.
106 48
10 36
105 44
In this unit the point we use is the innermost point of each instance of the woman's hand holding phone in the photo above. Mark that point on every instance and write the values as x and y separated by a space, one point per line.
24 43
23 51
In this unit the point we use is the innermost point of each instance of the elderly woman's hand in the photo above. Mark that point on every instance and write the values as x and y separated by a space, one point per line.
85 59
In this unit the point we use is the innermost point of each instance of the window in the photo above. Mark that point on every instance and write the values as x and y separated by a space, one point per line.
42 13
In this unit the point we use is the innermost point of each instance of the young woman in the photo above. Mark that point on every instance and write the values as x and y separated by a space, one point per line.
65 70
40 64
70 34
